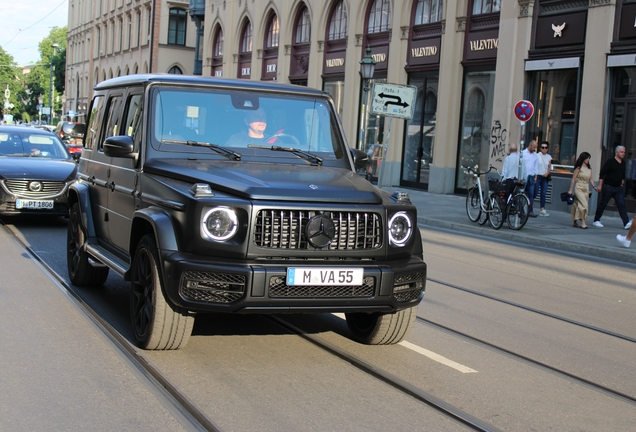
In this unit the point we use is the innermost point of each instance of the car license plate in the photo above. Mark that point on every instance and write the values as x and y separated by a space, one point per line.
33 204
298 276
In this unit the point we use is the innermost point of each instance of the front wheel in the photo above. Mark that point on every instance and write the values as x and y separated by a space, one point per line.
495 215
381 329
473 208
157 324
517 212
80 271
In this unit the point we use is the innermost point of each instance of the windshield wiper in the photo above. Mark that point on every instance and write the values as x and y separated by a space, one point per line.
300 153
217 148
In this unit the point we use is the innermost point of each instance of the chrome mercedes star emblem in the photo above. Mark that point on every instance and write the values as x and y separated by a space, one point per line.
313 186
35 186
320 231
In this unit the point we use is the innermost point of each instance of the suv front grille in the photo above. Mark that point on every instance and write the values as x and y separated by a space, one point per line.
21 188
285 229
278 288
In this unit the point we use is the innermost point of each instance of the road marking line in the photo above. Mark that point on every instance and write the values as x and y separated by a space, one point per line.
438 358
430 354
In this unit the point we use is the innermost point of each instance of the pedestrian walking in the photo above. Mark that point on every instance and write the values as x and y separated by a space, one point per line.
544 167
626 240
529 157
579 189
632 176
611 185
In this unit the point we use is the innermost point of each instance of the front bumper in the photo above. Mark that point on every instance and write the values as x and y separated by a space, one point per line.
8 203
260 287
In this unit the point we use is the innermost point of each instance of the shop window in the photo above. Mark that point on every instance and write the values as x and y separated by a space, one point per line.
272 32
486 6
554 93
177 27
303 28
475 125
428 11
338 23
379 16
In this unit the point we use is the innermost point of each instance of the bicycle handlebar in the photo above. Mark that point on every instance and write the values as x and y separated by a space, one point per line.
475 171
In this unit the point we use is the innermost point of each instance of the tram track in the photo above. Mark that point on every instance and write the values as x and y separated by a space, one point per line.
190 417
542 365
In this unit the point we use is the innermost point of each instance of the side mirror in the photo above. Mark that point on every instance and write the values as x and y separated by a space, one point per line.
76 156
119 146
360 158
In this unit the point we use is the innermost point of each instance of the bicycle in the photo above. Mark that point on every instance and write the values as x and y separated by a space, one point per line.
482 205
515 206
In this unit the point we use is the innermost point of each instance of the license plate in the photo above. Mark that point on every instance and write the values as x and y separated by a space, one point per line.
298 276
33 204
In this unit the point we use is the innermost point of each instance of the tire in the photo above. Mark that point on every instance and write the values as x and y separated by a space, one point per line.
80 271
517 212
381 329
473 209
495 215
157 325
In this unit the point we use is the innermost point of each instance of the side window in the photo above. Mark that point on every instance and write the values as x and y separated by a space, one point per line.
132 125
94 122
114 109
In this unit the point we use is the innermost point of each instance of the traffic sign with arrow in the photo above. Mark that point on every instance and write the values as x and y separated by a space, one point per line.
393 100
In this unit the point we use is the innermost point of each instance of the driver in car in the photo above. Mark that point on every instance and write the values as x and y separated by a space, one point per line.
256 122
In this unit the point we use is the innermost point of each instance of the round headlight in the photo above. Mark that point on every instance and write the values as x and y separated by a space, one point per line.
400 229
220 223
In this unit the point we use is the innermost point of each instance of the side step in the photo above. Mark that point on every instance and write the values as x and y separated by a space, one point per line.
108 258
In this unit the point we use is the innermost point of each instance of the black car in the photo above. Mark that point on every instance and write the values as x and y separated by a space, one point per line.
214 195
71 134
36 171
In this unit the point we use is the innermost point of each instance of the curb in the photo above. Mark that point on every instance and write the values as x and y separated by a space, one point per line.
614 254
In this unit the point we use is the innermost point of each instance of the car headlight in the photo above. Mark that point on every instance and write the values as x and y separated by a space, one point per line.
219 223
400 229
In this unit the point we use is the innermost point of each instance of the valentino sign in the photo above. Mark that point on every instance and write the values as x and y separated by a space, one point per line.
484 44
424 51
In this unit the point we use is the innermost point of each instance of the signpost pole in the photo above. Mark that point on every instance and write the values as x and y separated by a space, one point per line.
522 139
385 149
523 110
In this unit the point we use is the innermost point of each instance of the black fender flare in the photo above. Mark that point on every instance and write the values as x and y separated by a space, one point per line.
162 226
78 192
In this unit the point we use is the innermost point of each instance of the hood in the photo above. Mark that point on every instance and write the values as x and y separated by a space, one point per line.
271 181
36 168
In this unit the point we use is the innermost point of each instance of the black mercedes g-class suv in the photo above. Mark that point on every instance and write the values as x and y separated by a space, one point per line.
217 195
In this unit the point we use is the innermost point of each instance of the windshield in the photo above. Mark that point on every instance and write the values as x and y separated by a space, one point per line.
24 143
247 123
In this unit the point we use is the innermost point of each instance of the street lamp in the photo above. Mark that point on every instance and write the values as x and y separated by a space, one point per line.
367 68
51 83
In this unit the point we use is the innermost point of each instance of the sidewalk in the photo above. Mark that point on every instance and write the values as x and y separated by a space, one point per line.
553 232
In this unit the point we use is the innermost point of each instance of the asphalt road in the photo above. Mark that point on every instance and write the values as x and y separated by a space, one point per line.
564 362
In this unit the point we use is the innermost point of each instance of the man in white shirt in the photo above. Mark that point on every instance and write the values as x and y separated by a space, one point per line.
529 157
510 168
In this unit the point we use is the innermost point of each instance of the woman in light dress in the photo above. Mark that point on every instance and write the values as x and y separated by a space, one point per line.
579 188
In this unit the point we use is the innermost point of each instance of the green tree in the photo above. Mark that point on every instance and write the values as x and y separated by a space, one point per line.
38 83
10 78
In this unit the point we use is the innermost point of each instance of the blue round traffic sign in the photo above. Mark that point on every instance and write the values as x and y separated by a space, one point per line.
524 110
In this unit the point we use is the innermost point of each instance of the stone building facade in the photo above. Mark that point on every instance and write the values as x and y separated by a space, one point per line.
110 38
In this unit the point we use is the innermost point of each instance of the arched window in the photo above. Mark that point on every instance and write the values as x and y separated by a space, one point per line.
218 43
486 6
338 22
380 16
428 11
127 72
177 27
246 38
273 30
303 28
175 70
136 70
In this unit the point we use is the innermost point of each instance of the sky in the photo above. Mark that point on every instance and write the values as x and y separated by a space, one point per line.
26 22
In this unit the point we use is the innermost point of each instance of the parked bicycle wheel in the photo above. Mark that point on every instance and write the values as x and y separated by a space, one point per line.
473 209
517 212
495 215
483 217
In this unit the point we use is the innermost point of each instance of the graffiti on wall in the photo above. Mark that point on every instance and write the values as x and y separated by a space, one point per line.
498 138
